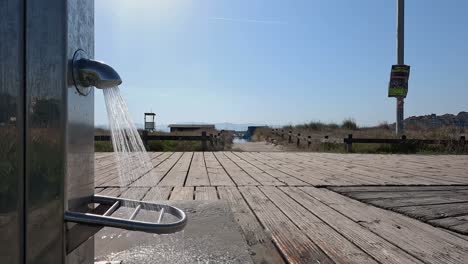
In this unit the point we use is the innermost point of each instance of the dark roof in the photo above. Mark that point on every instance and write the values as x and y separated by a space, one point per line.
191 125
152 114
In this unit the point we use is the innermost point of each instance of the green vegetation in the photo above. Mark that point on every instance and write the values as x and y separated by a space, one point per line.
157 145
349 124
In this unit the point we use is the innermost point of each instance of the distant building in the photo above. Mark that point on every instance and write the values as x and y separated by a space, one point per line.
191 128
251 131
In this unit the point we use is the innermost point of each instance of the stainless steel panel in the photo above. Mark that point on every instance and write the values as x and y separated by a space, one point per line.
59 127
80 125
46 114
11 130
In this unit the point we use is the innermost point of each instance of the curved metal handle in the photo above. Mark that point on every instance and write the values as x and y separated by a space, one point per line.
130 224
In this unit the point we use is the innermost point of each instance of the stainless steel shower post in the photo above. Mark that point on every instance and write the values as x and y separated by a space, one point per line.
47 129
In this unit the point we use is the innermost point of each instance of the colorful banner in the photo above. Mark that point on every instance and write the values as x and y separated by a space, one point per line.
398 85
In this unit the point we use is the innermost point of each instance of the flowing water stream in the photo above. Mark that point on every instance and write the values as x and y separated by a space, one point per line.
133 162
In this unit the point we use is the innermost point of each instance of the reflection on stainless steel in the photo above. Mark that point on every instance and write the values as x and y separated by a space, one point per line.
47 133
88 72
11 128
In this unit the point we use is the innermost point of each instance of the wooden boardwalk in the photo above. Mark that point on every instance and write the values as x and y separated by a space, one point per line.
320 207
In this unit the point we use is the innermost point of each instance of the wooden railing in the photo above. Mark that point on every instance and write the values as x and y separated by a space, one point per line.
298 139
213 140
403 140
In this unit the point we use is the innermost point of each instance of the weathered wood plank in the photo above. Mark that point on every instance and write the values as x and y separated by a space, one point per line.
113 191
294 244
259 242
408 234
237 174
337 247
134 193
418 201
312 177
152 177
158 193
279 175
457 223
365 239
430 212
178 173
197 175
349 189
396 195
182 193
206 193
254 172
216 173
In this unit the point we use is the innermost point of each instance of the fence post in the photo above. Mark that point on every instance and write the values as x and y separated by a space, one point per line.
462 142
309 141
290 137
203 143
144 138
349 145
222 137
298 142
282 133
211 140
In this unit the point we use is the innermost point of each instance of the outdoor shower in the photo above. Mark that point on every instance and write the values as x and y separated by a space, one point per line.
47 136
87 73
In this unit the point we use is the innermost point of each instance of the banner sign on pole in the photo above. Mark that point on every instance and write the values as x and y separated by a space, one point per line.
398 86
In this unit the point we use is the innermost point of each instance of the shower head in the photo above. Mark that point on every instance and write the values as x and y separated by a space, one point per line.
87 72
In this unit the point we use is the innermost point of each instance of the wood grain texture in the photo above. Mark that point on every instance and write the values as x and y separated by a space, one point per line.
284 217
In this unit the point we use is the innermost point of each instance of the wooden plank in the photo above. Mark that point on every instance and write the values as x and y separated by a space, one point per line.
254 235
216 173
237 174
315 177
279 175
152 177
337 247
182 193
373 244
430 212
111 176
254 172
113 191
178 173
134 193
348 189
388 165
457 223
158 193
417 201
197 175
293 243
206 193
462 228
396 195
425 242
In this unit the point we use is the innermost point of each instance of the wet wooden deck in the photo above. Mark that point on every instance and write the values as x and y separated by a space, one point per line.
319 207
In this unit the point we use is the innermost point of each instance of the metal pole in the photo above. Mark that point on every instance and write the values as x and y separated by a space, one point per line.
400 60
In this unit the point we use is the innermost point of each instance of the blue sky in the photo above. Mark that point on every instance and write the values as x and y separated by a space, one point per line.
281 62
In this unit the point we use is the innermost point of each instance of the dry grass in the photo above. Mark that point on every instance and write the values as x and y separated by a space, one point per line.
335 134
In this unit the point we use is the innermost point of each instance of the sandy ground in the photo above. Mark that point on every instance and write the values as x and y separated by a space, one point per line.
256 146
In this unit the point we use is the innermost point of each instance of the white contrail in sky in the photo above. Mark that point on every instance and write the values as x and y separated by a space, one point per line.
242 20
